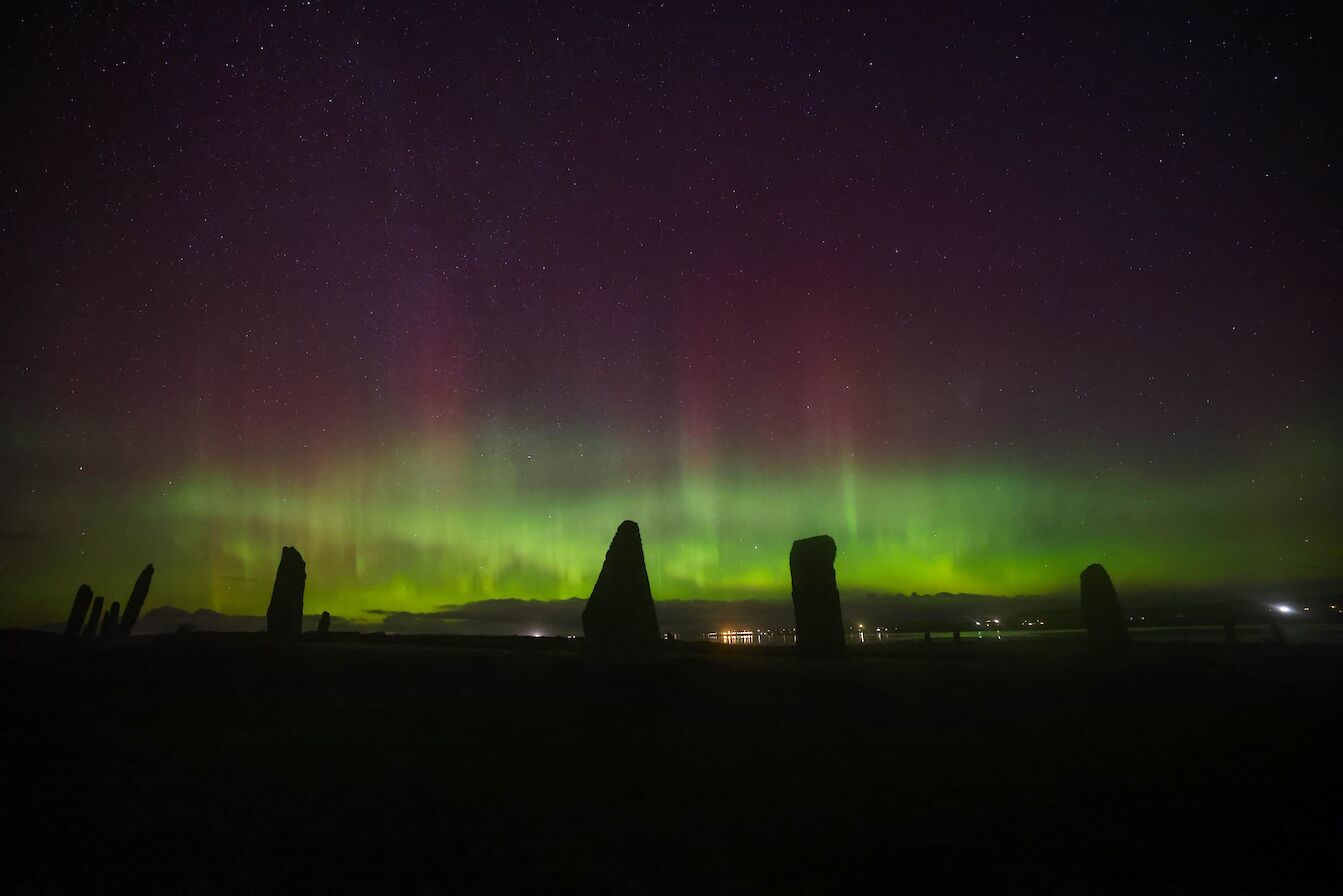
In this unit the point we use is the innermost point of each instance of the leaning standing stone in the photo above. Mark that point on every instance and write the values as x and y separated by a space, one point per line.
78 610
137 599
95 617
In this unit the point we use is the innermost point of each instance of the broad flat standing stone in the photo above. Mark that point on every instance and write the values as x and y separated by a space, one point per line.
620 611
284 617
78 610
137 599
1101 613
111 621
95 617
820 629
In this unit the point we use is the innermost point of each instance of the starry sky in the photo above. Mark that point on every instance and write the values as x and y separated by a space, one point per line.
442 293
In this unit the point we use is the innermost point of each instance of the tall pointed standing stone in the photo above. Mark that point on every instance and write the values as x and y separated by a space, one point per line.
1101 613
820 628
78 610
95 617
136 601
111 621
620 611
284 616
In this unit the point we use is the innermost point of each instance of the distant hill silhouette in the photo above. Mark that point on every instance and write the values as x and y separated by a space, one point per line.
691 618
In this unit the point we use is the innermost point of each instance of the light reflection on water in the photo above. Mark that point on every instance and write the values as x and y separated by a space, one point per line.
784 637
767 638
1202 634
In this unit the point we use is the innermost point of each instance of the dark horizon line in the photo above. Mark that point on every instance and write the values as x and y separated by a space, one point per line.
518 612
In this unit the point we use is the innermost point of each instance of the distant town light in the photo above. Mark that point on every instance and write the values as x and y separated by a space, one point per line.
1283 608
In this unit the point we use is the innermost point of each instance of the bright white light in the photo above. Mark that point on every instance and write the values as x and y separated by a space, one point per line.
1283 608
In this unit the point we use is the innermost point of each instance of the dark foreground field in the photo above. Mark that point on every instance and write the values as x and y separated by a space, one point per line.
216 763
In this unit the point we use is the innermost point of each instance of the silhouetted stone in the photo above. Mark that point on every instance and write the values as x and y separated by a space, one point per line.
927 636
1101 613
95 617
284 616
324 624
111 621
820 629
137 599
956 636
1275 632
78 610
620 612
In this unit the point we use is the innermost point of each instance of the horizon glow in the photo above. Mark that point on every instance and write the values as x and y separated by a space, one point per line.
403 532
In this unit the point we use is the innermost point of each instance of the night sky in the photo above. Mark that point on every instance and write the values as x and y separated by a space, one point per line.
441 296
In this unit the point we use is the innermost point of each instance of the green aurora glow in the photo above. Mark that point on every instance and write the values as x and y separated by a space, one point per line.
412 532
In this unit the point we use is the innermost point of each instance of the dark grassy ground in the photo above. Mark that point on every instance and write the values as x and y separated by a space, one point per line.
217 763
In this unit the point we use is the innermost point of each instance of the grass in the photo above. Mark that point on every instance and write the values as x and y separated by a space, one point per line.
222 763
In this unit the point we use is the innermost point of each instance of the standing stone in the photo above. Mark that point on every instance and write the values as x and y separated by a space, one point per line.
324 624
820 630
137 600
78 610
111 621
95 617
284 616
620 612
1101 613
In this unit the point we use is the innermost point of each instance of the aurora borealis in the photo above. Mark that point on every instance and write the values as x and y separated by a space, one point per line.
441 297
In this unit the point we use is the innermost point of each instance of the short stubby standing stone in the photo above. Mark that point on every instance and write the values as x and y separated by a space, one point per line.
324 624
620 611
111 621
78 610
820 628
1101 613
284 617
